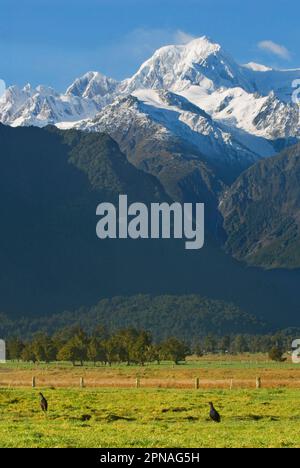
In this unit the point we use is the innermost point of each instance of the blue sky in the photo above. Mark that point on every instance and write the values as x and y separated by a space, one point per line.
52 42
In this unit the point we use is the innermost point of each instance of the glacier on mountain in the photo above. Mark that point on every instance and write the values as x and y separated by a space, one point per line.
196 92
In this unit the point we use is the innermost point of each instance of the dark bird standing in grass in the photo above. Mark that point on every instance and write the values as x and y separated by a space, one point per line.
214 415
43 403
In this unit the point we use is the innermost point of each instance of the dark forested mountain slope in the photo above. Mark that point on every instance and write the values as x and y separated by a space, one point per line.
262 212
51 260
189 317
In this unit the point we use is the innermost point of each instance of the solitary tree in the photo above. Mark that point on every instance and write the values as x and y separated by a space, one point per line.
15 347
276 354
225 344
96 351
210 344
239 345
140 347
175 350
43 348
28 353
198 349
75 349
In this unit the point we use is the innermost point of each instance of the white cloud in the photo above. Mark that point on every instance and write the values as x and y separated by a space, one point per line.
2 87
275 49
181 37
143 41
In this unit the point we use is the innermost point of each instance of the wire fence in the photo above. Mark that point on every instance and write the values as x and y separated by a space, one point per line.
140 383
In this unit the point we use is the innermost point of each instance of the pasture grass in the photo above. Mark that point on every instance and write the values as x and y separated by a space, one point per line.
108 418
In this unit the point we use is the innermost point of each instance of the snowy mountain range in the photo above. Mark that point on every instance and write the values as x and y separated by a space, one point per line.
195 93
192 126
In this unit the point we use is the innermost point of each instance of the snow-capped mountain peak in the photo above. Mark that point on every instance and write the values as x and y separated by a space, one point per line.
197 82
41 106
200 48
92 84
45 91
201 62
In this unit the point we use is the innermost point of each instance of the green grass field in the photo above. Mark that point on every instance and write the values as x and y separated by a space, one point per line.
149 418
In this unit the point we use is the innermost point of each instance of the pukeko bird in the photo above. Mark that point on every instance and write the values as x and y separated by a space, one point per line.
214 415
43 403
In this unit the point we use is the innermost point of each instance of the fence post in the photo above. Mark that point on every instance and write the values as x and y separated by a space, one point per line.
231 384
138 382
81 382
33 382
197 383
258 382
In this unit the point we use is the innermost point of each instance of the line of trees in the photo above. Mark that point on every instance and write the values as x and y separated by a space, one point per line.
275 345
128 346
132 346
237 344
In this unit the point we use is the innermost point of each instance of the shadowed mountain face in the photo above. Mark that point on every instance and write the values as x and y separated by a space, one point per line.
51 260
262 212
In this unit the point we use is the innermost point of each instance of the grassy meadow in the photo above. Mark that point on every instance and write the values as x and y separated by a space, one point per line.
165 412
149 418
